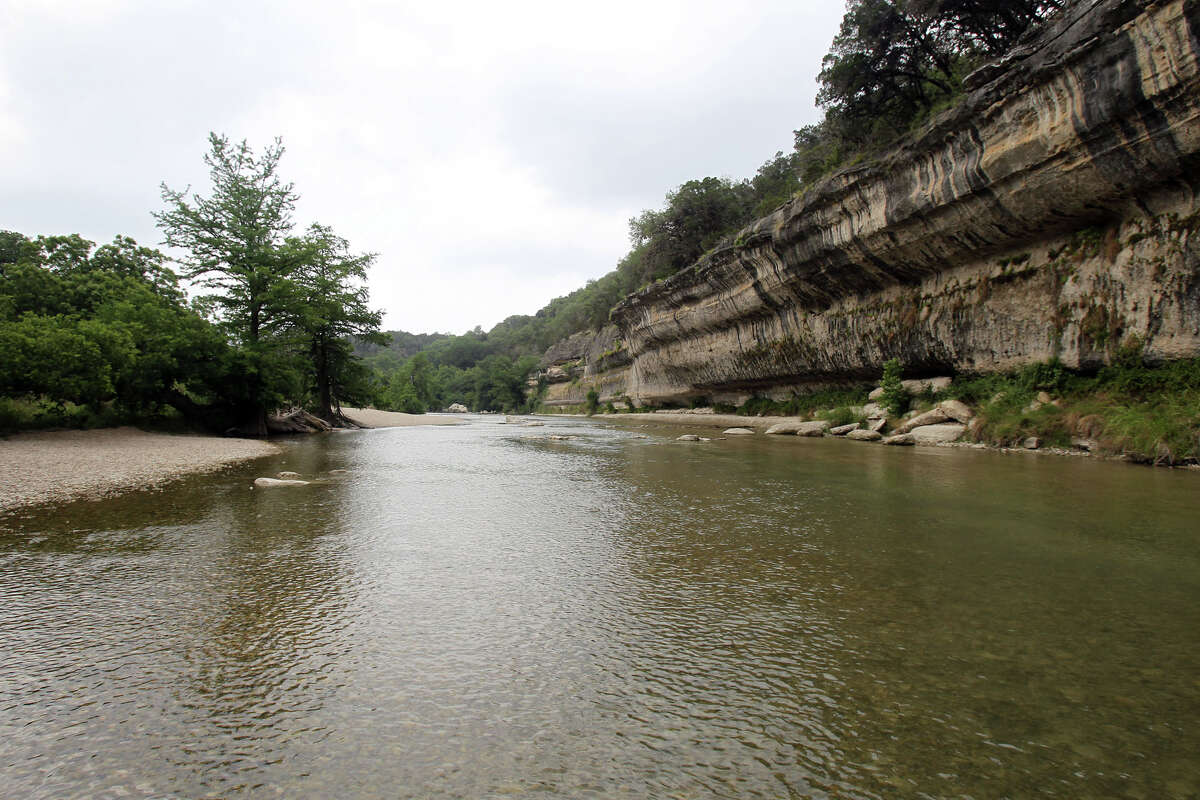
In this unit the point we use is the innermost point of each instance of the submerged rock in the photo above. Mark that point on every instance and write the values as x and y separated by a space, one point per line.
738 432
688 437
265 483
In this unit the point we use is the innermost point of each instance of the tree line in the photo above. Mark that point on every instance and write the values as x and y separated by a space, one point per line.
110 330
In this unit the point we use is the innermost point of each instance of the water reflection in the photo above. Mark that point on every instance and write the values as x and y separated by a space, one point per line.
482 610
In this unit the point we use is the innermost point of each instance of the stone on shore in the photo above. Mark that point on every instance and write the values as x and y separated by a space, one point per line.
937 434
864 436
934 416
457 408
877 425
815 428
900 440
842 430
265 483
1032 443
738 432
957 410
874 411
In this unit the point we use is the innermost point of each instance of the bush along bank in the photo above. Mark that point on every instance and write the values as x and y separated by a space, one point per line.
1130 410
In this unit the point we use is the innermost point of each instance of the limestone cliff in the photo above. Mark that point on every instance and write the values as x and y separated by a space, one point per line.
1053 213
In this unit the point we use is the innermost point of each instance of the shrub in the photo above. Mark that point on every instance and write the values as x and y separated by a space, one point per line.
895 397
593 402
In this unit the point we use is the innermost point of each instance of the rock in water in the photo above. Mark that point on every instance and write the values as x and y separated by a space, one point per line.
864 436
816 428
688 437
737 432
842 430
937 434
264 483
900 440
288 476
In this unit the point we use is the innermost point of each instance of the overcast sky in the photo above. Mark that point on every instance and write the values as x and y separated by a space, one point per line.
491 153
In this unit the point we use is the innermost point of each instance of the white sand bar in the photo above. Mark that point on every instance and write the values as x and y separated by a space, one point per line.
394 419
57 466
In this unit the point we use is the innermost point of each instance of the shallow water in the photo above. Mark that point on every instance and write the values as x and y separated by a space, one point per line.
480 611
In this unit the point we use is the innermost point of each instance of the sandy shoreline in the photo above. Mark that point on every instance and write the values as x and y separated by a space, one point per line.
395 419
60 466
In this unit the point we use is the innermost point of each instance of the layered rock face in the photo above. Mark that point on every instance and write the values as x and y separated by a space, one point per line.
1052 214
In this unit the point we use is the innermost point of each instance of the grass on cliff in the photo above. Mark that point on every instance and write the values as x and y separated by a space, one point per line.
1149 413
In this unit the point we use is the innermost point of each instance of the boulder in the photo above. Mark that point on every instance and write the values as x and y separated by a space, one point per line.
864 436
1032 443
782 428
738 432
1083 443
264 483
876 425
842 430
815 428
874 411
937 434
918 385
875 394
688 437
934 416
956 410
900 440
288 476
457 408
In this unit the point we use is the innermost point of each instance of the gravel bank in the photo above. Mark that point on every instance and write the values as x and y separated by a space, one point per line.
57 466
394 419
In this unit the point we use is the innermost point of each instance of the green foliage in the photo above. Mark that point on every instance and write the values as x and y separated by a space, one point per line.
1150 412
593 402
895 397
104 331
893 63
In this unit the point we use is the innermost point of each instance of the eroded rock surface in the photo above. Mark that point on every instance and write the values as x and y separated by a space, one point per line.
1052 214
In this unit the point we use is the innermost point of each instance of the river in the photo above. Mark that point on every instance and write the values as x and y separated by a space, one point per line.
482 611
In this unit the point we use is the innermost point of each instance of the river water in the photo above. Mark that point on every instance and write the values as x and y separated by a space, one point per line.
482 611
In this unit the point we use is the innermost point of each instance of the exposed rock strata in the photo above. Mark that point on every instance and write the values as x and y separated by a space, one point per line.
1052 214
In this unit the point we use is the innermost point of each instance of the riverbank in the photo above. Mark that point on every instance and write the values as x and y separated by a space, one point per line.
372 418
60 466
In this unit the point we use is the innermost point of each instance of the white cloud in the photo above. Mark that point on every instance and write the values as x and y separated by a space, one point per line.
491 153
